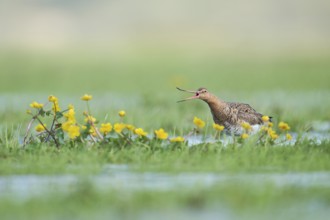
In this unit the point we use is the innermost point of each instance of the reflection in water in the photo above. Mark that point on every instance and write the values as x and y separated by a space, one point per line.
120 177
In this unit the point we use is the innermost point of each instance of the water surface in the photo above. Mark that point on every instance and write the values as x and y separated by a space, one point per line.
121 177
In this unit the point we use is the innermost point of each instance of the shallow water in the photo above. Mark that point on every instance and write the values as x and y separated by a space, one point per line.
320 131
121 177
315 136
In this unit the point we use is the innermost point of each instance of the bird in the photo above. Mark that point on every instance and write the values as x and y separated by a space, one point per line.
231 115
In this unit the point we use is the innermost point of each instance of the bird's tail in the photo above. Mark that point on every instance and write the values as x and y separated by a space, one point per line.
271 118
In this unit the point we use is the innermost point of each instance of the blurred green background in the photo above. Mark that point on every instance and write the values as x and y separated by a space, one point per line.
274 55
131 54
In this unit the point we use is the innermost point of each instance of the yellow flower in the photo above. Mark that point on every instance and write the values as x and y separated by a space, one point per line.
283 126
83 127
119 127
86 97
56 107
92 131
140 132
74 131
66 125
272 134
177 139
218 127
52 98
199 122
288 136
36 105
244 136
265 118
161 134
90 119
246 126
270 124
70 115
130 127
106 128
40 128
122 113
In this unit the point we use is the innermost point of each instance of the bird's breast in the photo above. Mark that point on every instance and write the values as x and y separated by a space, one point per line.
233 129
239 130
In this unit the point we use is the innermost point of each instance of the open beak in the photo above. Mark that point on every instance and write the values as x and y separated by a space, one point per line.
190 91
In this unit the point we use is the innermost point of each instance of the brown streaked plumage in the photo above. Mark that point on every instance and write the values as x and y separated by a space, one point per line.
229 114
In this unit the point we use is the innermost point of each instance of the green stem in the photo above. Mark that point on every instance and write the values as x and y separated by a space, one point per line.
50 133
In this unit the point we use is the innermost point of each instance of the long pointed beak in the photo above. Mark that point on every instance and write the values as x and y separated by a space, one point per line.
190 91
187 99
183 90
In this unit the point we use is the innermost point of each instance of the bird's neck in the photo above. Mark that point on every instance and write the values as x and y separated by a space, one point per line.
215 104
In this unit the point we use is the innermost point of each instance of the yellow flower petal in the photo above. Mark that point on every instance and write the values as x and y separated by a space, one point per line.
218 127
70 115
66 125
161 134
40 128
122 113
36 105
246 126
177 139
86 97
90 119
140 132
283 126
119 127
199 122
244 136
272 134
265 118
288 137
105 128
74 131
130 127
52 98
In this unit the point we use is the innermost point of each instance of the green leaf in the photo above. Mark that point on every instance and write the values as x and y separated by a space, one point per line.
59 115
42 112
59 134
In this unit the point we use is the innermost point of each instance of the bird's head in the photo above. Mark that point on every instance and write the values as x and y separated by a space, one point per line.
200 93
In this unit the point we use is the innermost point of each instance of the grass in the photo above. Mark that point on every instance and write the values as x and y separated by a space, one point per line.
293 89
306 157
143 73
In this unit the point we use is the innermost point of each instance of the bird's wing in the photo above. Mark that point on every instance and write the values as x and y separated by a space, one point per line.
246 113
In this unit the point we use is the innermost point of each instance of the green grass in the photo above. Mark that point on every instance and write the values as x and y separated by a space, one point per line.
142 73
293 89
307 156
